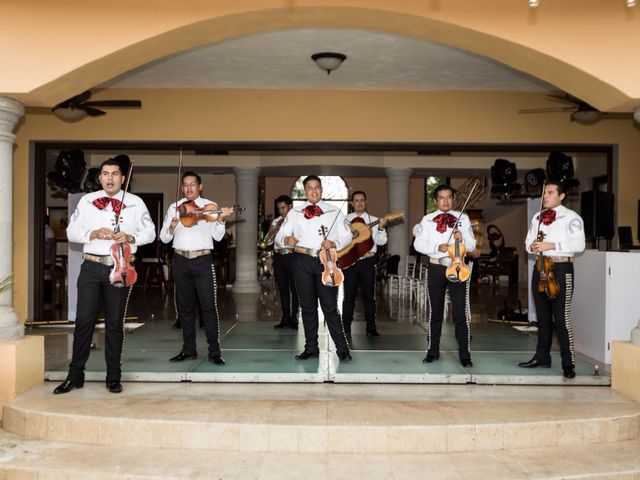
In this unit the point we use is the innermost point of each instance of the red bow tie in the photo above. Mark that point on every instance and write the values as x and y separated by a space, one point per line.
548 217
311 211
444 220
102 202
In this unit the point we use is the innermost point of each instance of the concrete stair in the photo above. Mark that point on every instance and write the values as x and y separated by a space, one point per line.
321 431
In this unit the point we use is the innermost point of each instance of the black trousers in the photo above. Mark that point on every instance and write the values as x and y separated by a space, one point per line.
555 313
195 281
437 285
95 292
283 270
361 274
308 276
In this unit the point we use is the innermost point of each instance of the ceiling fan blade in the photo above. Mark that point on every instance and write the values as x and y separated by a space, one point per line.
114 103
74 101
546 109
92 112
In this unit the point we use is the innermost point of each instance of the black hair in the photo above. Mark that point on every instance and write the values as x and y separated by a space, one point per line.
284 199
189 173
559 185
311 177
112 162
444 186
358 192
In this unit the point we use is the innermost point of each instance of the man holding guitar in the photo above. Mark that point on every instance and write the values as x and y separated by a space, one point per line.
363 272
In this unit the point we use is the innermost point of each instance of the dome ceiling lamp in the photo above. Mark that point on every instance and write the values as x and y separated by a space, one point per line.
328 61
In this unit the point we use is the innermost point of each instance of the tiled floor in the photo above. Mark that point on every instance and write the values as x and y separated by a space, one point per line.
254 351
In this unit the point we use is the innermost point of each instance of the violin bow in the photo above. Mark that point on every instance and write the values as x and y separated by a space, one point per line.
544 185
124 192
178 180
473 187
337 214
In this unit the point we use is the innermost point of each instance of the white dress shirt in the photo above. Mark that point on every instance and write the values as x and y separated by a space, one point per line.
566 231
198 237
428 239
134 220
378 236
309 231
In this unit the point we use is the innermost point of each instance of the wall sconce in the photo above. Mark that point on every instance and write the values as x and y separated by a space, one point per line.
328 61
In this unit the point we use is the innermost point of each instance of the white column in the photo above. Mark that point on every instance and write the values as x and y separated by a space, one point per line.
11 112
247 230
398 180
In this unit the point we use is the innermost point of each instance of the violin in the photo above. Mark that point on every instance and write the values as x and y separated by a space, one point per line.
190 214
458 271
332 276
362 241
123 273
547 284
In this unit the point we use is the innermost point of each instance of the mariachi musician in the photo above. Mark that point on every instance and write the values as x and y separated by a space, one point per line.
193 232
310 229
363 272
93 224
283 268
555 234
434 235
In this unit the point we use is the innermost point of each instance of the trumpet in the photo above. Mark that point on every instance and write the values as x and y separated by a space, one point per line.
270 237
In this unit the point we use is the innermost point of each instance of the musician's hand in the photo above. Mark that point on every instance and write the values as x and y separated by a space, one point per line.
443 248
537 247
103 233
226 211
291 241
121 237
382 223
174 223
328 244
458 235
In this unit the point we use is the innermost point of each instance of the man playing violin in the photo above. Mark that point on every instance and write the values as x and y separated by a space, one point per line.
283 269
434 235
563 233
194 274
308 229
362 274
93 225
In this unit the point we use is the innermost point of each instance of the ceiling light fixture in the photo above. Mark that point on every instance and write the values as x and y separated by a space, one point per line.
69 114
534 3
631 3
587 117
328 61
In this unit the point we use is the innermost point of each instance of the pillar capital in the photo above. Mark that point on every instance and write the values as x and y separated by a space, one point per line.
11 112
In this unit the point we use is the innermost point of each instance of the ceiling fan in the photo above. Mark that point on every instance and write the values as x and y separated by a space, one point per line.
78 107
581 111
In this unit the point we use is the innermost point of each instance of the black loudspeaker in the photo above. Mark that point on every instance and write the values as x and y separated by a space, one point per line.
597 211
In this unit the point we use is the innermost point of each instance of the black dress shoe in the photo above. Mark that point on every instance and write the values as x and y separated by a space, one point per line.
466 362
344 356
568 372
305 355
431 357
67 386
534 363
293 326
281 325
217 359
182 356
114 386
177 324
372 333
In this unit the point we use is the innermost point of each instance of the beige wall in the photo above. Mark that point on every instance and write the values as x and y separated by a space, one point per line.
231 115
548 43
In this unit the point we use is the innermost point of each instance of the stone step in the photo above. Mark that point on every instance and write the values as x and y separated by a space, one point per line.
326 418
43 460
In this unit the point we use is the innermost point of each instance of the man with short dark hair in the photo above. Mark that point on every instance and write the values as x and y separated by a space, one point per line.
362 274
194 274
308 229
283 270
562 230
433 235
93 224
